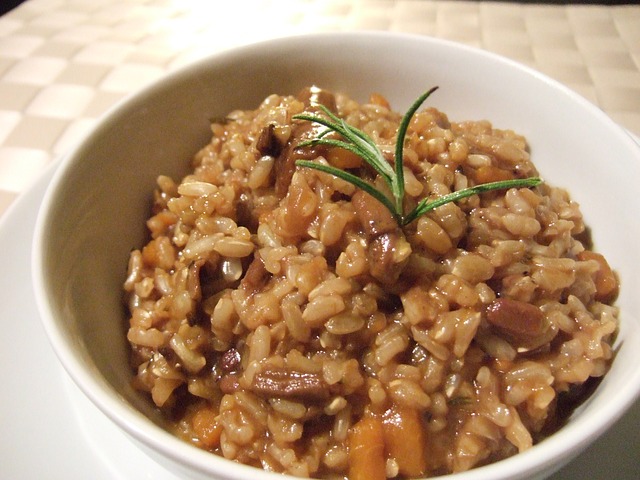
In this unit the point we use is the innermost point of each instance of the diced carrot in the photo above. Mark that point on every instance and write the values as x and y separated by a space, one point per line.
405 440
605 280
159 224
343 158
206 427
378 99
520 319
299 208
159 253
489 173
366 450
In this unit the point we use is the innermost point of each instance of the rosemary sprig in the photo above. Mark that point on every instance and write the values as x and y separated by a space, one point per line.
361 144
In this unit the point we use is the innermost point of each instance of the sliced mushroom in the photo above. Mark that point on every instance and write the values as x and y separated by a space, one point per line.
388 251
314 96
256 276
230 361
286 383
386 261
522 324
515 317
374 217
285 163
246 212
605 280
268 143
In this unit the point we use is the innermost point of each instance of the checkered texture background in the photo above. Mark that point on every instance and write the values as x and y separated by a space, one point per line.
63 63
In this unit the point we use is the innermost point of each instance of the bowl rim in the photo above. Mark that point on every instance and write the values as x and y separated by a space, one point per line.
563 445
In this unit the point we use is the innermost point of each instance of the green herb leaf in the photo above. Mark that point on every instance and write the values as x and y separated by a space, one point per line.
353 179
426 205
361 144
459 401
402 133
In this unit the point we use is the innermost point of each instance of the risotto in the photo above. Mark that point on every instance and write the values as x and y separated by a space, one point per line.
280 317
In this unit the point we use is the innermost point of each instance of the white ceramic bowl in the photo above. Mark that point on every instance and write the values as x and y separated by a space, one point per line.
95 208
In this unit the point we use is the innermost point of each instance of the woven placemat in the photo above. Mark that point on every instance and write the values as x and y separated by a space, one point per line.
64 62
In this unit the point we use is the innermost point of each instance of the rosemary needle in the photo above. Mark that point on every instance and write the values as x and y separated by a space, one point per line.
361 144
